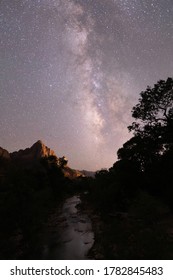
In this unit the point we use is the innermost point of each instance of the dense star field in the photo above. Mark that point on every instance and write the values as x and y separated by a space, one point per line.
71 70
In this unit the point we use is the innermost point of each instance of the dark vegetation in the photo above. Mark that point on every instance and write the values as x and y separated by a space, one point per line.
133 200
27 195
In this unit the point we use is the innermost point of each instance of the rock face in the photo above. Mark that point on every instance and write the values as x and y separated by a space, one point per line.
88 173
4 154
35 153
30 158
71 173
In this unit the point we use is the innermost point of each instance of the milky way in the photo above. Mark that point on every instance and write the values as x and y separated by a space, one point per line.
71 70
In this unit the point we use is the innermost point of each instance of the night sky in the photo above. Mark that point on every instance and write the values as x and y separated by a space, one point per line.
71 71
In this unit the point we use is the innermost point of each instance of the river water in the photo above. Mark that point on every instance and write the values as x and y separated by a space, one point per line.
69 235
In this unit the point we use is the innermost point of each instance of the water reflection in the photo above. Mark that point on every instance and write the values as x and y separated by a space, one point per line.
70 236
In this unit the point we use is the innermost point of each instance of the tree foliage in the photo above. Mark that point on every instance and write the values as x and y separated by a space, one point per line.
154 112
153 125
134 198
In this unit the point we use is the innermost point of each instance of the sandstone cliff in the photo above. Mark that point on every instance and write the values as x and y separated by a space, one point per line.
30 158
34 153
4 154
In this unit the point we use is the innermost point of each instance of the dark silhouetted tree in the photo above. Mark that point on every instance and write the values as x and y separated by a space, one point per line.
154 113
153 125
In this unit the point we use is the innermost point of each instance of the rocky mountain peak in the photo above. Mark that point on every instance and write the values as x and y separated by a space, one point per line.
39 150
39 142
35 152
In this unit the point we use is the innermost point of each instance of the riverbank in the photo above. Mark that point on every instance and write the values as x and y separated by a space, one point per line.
138 233
96 251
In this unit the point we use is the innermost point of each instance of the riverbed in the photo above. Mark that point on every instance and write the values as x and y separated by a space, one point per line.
69 233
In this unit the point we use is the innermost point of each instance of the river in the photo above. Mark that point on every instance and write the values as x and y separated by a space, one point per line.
69 233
